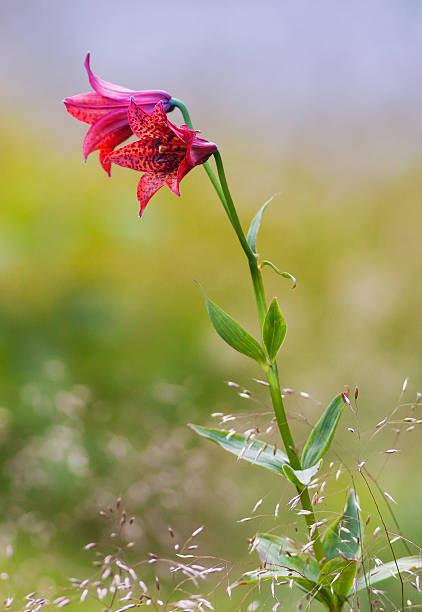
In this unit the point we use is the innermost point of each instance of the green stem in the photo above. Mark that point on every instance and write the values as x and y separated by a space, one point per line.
280 414
233 214
258 286
224 194
272 371
214 180
286 435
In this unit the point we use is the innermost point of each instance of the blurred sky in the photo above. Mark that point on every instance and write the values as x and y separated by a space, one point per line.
308 74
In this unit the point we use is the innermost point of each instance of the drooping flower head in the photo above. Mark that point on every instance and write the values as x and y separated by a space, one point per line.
105 109
164 152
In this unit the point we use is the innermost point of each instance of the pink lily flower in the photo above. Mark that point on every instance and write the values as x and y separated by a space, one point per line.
164 152
105 110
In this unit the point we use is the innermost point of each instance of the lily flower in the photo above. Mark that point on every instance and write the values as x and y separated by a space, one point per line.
164 152
105 110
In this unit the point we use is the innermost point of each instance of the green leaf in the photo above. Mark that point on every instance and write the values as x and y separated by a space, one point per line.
278 554
337 576
253 451
233 334
282 560
301 477
256 222
321 435
259 576
273 330
266 262
388 570
342 538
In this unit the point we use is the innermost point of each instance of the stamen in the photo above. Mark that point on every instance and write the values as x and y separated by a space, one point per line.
162 149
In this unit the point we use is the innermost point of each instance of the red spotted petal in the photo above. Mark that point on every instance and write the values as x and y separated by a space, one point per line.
173 183
136 157
89 107
149 126
160 153
147 186
198 149
141 122
113 127
159 117
108 144
104 160
182 171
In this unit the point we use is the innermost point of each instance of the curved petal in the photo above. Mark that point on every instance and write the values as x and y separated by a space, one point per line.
147 186
147 98
199 150
104 159
112 127
104 88
183 132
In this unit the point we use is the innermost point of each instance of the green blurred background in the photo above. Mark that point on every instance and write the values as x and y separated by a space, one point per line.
105 346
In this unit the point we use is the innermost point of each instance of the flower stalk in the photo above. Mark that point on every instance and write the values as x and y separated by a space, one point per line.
221 186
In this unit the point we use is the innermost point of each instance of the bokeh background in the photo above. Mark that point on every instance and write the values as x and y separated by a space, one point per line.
106 349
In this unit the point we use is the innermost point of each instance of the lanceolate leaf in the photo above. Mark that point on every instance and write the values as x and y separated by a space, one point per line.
256 222
337 576
388 570
278 553
342 538
281 560
263 575
253 451
300 477
233 334
259 576
273 330
323 432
